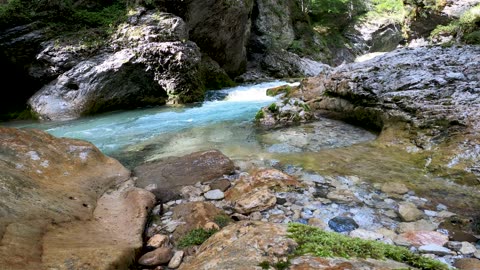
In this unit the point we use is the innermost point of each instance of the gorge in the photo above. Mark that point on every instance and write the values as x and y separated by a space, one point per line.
204 134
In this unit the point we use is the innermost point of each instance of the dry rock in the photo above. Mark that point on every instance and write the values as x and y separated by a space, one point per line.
467 264
176 260
251 242
158 240
409 212
158 256
420 238
258 200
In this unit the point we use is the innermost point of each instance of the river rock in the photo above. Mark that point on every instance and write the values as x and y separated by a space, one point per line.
193 215
175 172
176 259
409 212
367 235
65 211
394 188
158 256
256 200
158 240
316 222
345 196
420 225
314 263
221 184
215 194
148 62
435 249
97 85
467 264
342 224
467 248
420 238
251 242
261 178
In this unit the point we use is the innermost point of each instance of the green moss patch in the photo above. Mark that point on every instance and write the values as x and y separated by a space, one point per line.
195 237
317 242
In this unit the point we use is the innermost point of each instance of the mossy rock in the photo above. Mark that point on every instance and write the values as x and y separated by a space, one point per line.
284 89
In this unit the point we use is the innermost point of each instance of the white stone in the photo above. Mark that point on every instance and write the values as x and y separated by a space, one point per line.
176 259
467 248
215 194
367 235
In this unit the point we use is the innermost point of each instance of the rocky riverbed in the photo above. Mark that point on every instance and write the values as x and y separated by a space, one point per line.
348 204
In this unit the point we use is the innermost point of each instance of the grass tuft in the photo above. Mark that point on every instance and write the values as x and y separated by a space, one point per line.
195 237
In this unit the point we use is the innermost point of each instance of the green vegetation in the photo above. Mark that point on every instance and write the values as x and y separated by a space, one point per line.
195 237
317 242
222 220
62 13
260 115
273 107
465 28
281 265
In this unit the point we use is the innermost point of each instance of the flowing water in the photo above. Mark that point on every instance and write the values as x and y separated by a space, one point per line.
223 121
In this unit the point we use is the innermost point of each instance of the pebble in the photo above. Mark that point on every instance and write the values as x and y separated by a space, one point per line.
215 194
367 235
176 260
342 224
158 240
378 213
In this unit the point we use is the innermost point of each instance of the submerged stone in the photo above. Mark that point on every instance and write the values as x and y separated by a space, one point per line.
342 224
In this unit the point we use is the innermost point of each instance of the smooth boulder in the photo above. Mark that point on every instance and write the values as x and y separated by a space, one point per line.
55 208
176 172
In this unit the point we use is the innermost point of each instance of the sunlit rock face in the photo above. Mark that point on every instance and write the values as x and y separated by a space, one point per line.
53 206
149 62
426 98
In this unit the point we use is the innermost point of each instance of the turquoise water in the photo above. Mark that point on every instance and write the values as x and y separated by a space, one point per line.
113 131
223 121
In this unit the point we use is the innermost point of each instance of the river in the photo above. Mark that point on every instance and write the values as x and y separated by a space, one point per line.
223 121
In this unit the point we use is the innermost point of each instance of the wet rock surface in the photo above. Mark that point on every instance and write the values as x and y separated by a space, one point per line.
418 97
175 172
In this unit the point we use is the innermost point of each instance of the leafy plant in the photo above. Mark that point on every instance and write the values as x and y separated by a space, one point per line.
195 237
312 240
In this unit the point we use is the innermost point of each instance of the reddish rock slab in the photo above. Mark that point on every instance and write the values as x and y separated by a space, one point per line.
420 238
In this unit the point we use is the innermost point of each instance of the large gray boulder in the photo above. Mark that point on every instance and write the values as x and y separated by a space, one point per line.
106 82
426 97
149 62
